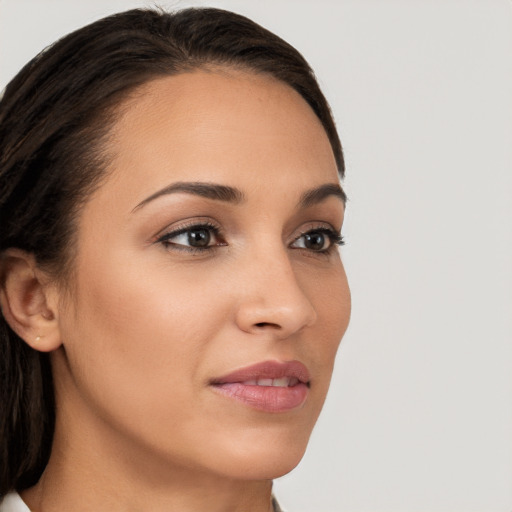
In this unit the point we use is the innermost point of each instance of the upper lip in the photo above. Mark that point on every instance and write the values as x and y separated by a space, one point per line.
267 370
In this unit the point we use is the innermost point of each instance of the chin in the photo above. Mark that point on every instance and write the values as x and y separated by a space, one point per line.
264 467
250 445
279 466
263 458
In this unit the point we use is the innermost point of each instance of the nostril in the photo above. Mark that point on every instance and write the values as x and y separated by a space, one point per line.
266 324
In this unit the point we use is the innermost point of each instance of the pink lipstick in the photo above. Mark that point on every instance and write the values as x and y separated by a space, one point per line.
269 386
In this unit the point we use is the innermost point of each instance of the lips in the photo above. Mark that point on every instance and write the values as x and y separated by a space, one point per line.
270 386
282 382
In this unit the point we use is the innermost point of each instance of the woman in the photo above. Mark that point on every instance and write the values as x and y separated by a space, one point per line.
172 294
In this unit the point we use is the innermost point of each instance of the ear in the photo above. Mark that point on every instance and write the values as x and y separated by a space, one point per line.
28 300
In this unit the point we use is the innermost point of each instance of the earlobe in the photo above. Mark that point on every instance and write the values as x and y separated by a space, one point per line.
24 298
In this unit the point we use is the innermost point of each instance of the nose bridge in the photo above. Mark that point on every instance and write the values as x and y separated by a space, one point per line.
272 298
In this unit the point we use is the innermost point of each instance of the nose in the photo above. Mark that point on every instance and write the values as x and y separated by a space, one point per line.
272 300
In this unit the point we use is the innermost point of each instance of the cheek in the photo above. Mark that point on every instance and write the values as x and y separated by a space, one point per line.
337 304
136 335
330 294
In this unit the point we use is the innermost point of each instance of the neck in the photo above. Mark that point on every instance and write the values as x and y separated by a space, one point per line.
97 483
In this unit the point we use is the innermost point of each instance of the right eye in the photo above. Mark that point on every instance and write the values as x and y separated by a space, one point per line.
199 237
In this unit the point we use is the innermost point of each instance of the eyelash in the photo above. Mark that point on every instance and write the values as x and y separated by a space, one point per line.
212 228
335 238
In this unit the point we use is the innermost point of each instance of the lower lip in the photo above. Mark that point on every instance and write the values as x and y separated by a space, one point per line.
266 398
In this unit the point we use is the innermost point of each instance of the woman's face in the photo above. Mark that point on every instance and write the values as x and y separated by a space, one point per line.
209 297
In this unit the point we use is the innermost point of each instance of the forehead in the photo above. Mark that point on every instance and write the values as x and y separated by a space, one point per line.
223 125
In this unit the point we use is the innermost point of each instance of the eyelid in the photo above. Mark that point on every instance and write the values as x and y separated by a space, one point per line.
183 225
334 235
314 226
175 230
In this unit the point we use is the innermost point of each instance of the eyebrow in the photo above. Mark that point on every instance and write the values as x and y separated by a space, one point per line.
319 194
207 190
234 195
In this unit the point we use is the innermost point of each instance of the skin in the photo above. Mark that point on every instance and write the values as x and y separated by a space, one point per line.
145 326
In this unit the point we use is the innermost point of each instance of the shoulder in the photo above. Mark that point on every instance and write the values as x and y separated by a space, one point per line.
13 503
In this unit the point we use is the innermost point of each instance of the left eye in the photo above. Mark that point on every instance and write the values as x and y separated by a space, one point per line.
319 240
197 237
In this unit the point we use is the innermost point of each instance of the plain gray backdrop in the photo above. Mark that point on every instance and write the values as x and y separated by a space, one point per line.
419 416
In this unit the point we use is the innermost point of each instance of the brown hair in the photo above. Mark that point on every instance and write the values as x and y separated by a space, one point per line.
55 117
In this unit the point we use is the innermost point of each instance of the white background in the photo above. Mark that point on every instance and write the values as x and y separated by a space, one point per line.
419 417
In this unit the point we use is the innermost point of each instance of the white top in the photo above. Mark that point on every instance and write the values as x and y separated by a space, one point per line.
13 503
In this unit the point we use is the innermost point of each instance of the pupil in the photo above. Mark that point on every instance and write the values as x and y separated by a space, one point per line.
315 241
199 238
